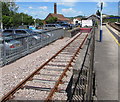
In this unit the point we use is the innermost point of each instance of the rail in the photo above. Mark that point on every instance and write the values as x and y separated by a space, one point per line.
115 26
84 86
68 52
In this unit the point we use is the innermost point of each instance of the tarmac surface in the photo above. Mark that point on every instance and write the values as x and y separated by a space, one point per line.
106 66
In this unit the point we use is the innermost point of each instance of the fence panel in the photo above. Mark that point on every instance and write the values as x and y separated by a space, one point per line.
24 45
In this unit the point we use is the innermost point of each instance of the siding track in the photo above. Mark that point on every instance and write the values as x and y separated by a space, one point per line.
115 26
50 80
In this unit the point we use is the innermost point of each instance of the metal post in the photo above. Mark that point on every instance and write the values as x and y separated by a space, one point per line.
1 24
22 19
35 23
101 21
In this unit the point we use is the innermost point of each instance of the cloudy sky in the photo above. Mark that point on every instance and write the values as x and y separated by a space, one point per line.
69 8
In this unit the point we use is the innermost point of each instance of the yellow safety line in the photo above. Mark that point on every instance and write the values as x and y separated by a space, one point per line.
113 37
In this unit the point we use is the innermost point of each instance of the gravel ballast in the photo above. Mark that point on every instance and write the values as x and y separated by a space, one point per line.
15 72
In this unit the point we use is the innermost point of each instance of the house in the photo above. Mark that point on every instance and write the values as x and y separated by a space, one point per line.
59 17
76 20
93 17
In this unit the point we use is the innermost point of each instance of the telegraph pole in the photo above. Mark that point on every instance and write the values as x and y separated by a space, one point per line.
1 24
22 19
35 21
101 21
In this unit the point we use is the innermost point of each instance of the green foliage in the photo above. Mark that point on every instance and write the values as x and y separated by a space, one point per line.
11 18
26 19
9 8
80 16
39 22
6 21
5 9
51 20
111 20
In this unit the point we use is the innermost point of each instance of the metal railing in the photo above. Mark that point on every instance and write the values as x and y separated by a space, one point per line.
83 88
27 46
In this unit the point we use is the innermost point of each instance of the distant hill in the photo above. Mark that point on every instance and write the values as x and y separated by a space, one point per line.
80 16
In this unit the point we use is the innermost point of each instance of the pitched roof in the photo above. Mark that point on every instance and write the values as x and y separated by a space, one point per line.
59 17
78 19
93 16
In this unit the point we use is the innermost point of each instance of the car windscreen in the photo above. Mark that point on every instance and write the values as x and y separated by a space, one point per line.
30 31
58 25
50 25
20 32
7 33
64 24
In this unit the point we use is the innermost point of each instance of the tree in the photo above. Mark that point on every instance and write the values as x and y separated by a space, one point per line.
11 18
51 20
6 21
27 20
8 11
39 21
9 8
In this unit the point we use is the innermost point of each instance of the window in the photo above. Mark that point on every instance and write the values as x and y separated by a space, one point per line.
30 31
45 25
20 32
7 33
53 25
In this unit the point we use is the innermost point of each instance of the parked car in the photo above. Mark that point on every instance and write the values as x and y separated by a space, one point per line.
38 30
78 25
45 37
65 26
49 34
61 22
51 26
72 26
33 37
10 45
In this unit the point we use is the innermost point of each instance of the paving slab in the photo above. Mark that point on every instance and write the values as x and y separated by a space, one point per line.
106 66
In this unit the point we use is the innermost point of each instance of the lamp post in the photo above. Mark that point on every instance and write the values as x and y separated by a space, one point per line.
35 21
22 19
101 21
1 23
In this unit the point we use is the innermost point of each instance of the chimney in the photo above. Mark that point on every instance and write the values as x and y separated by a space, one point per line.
55 8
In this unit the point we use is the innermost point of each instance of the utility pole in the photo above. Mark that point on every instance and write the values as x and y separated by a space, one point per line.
101 21
118 11
1 24
22 19
35 21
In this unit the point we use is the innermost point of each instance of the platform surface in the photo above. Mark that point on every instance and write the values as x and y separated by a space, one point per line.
106 66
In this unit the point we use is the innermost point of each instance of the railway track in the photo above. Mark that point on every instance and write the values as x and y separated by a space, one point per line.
50 80
115 26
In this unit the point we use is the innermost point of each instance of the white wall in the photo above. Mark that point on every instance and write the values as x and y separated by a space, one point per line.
74 21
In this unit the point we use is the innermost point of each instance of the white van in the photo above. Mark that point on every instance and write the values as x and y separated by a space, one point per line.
87 23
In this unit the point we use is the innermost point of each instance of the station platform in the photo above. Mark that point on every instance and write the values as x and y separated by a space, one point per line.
106 66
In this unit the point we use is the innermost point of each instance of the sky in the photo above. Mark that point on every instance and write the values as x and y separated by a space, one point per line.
40 10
